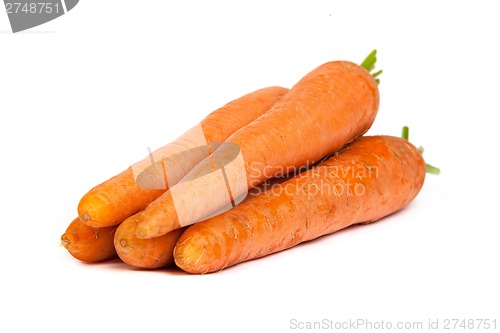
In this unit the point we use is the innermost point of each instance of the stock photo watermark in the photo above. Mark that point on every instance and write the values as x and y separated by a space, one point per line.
25 15
284 182
364 324
221 167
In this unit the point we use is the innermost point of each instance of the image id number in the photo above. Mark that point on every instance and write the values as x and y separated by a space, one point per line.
32 8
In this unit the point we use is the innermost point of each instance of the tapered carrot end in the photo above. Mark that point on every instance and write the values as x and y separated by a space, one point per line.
141 233
198 251
85 218
157 220
88 244
189 258
67 239
151 229
89 207
144 253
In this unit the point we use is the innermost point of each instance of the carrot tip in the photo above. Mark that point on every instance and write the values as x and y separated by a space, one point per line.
140 233
123 242
66 240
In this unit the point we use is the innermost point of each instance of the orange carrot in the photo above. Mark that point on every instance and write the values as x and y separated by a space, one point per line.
370 178
144 253
157 252
89 244
133 189
330 106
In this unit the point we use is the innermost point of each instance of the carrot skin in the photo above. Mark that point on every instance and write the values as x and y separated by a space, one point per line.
157 252
87 243
369 179
333 104
114 200
144 253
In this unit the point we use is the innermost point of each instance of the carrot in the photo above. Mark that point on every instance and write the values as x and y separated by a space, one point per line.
330 106
370 178
89 244
132 190
144 253
157 252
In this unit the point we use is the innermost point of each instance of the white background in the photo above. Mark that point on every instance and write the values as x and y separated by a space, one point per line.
83 96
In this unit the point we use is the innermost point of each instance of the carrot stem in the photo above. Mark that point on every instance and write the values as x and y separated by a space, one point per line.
369 65
377 73
405 134
432 169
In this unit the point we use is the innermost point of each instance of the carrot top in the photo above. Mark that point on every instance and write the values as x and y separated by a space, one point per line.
369 65
428 168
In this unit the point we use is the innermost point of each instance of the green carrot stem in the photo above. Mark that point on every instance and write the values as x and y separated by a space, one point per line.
405 134
369 65
432 169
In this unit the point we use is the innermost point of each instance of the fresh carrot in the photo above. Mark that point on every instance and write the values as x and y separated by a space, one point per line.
330 106
370 178
132 190
157 252
87 243
144 253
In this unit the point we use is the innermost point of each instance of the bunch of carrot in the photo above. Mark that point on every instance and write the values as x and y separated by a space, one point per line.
259 175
